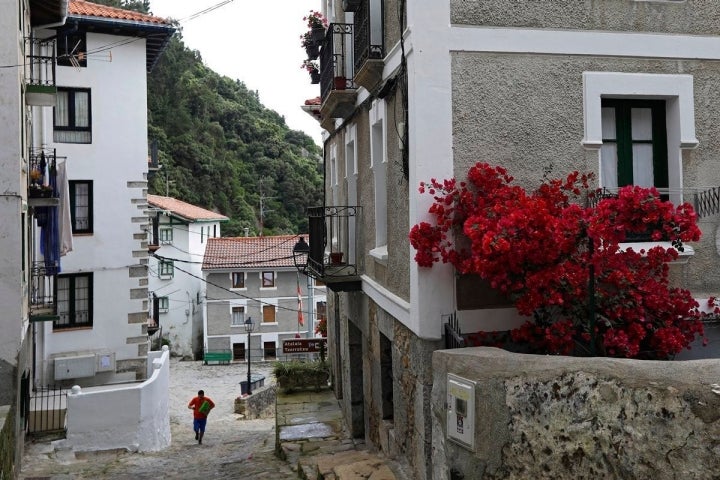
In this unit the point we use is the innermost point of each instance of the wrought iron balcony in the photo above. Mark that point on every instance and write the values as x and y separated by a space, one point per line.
40 72
334 256
42 177
43 304
337 90
705 200
368 43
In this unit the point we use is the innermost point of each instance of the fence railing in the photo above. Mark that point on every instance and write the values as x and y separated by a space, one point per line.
46 411
453 336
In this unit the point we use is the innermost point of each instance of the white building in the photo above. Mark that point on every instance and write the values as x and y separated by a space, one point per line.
180 233
99 125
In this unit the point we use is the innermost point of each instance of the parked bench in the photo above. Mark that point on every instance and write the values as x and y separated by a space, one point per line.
218 356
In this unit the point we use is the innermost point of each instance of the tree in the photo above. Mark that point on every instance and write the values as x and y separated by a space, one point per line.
544 250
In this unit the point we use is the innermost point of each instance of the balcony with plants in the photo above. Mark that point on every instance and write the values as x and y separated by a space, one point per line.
40 89
333 252
337 89
368 41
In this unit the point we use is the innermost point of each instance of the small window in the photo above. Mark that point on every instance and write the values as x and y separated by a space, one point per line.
269 314
166 236
163 304
268 279
238 316
81 202
72 119
74 301
238 279
166 269
270 350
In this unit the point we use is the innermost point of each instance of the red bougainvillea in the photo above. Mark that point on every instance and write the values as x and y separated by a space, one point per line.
541 248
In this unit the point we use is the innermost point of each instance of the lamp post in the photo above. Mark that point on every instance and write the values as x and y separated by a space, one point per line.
249 327
301 251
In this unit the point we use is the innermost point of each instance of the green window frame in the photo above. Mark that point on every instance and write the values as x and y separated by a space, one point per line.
163 304
166 236
166 269
625 143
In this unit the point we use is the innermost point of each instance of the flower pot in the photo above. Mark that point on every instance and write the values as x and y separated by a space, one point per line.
318 34
336 258
313 51
314 77
340 83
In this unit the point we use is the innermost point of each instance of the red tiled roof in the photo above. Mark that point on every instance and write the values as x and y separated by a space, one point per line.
184 210
249 252
81 7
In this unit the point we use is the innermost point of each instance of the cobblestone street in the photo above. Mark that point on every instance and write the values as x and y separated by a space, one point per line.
232 447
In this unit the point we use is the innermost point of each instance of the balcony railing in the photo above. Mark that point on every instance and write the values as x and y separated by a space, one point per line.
336 66
42 177
705 200
368 39
335 244
40 72
43 304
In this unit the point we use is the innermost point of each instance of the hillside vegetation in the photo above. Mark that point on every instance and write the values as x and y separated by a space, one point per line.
222 150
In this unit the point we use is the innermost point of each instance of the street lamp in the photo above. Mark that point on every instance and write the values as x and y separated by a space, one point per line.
249 327
301 251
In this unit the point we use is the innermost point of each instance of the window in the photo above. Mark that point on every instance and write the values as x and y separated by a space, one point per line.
166 236
166 269
268 314
634 149
81 200
268 279
238 279
270 350
74 301
72 122
163 304
72 50
677 93
238 316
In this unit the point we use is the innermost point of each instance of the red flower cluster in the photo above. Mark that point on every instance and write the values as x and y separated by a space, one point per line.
537 248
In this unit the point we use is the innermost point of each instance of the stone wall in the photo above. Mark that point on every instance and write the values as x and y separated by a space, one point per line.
261 404
565 417
7 442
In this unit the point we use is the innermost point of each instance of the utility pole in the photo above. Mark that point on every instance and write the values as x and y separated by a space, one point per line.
263 210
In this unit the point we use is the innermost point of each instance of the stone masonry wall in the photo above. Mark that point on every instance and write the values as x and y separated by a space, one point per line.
580 418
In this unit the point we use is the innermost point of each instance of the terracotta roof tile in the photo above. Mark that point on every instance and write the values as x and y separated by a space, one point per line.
249 252
81 7
184 210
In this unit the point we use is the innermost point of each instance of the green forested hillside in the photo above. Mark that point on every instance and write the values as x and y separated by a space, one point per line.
221 149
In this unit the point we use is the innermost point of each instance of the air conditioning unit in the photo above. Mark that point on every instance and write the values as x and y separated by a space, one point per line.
79 366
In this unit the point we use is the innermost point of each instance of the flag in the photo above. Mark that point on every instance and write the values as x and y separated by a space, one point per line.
301 320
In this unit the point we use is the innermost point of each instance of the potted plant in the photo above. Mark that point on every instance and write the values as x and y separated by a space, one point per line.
336 258
313 69
311 47
340 82
317 24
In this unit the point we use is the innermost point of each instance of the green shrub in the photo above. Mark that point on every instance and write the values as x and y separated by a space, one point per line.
295 375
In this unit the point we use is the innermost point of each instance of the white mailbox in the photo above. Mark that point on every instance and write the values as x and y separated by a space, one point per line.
461 410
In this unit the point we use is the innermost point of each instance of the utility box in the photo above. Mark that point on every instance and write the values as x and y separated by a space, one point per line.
79 366
105 362
461 411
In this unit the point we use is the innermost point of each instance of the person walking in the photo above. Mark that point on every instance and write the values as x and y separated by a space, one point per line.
201 406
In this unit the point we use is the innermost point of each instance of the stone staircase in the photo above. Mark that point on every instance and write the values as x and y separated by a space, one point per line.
312 437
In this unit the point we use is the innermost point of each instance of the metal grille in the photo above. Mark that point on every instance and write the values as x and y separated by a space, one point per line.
40 65
336 67
363 44
453 336
707 202
46 411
